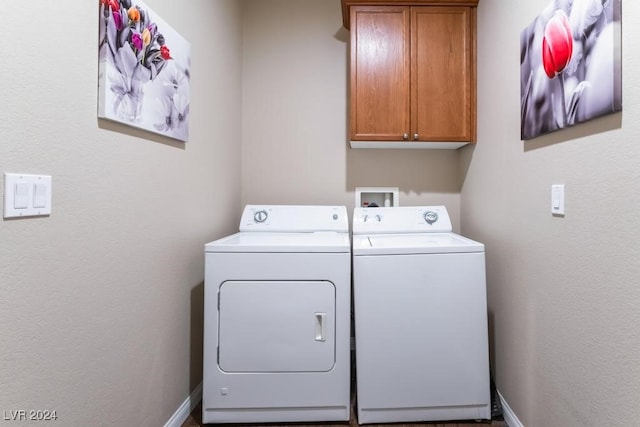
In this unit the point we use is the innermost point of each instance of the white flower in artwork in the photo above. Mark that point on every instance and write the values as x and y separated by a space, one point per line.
173 99
167 114
181 104
174 77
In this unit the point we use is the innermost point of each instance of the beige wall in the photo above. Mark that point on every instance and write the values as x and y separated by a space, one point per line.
564 294
295 147
100 303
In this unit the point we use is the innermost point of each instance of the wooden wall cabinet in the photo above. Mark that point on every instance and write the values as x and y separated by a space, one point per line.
412 73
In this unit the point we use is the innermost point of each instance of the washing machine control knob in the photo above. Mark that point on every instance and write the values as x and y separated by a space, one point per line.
260 216
430 217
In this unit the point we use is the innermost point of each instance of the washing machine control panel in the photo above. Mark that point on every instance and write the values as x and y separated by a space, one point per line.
294 218
404 219
430 217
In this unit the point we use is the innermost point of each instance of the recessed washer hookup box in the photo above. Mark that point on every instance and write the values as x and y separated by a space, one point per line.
369 197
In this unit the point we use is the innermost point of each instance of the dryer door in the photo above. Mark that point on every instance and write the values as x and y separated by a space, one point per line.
276 326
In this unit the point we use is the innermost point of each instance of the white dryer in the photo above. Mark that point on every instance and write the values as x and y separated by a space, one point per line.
277 318
420 318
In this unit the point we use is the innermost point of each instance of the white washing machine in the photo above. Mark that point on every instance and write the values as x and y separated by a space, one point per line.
420 318
277 298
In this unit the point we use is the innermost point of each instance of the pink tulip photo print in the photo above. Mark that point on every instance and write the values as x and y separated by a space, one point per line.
570 65
143 70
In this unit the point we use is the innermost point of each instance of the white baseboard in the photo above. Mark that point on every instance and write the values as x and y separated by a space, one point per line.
508 414
183 412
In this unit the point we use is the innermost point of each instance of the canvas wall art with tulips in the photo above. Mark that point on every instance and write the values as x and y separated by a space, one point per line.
570 65
143 70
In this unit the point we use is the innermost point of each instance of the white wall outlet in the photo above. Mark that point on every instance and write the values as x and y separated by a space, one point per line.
26 195
557 199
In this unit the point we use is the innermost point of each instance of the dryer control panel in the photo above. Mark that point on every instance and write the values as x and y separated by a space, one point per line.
294 218
402 219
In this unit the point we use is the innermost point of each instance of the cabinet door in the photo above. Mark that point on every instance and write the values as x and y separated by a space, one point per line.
442 73
380 69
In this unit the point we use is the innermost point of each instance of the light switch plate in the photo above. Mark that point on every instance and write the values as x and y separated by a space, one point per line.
557 199
26 195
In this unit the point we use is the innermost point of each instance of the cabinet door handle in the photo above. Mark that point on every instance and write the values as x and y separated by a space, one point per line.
405 136
415 136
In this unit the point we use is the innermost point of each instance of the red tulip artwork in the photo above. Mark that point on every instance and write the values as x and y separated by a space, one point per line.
557 44
143 67
570 67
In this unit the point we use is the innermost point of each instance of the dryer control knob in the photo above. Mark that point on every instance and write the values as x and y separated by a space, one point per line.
260 216
430 217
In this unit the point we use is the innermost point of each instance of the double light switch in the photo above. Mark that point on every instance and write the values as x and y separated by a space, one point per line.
26 195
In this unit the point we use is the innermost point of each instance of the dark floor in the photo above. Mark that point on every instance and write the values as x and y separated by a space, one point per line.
195 420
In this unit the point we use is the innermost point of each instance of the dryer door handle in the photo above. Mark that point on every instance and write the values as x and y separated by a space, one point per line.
321 319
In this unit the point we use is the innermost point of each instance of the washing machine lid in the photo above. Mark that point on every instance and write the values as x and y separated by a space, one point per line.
315 242
413 243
